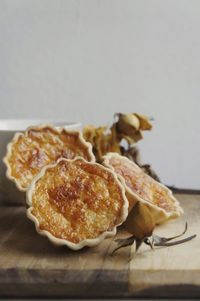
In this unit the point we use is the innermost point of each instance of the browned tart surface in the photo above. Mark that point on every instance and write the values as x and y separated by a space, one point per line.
42 146
77 200
142 184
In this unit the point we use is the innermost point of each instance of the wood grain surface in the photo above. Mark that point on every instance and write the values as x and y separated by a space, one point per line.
31 266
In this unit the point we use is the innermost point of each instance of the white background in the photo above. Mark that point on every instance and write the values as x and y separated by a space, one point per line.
85 60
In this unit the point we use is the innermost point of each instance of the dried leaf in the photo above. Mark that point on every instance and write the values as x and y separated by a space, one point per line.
102 141
124 243
127 127
149 171
145 123
89 133
127 124
132 140
134 155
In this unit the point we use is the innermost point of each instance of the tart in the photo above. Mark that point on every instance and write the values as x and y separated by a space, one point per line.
39 146
76 203
141 187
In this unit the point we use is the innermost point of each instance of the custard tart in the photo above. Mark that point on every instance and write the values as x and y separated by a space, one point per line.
39 146
76 203
141 187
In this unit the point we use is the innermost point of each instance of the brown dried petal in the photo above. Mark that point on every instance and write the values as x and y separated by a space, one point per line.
132 139
128 127
127 124
145 123
89 133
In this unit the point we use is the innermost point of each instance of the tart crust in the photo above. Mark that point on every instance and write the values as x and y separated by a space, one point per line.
141 187
39 146
76 203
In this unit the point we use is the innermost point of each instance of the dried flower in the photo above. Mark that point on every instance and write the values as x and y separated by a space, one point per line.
127 127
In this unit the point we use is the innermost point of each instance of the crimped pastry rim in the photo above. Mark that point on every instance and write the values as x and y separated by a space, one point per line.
165 215
86 242
25 133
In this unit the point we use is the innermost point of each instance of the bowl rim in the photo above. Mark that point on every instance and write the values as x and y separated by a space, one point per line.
23 124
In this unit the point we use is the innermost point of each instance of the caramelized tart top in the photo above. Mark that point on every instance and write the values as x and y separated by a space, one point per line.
142 185
75 200
40 146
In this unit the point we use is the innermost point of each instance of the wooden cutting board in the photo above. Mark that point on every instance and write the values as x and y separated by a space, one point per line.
31 266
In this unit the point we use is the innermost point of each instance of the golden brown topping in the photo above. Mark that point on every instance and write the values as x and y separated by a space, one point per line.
41 146
141 184
77 200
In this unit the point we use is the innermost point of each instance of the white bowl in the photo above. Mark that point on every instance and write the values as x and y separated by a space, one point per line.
9 194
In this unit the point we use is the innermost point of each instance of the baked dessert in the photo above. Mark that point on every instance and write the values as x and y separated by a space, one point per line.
76 203
141 187
39 146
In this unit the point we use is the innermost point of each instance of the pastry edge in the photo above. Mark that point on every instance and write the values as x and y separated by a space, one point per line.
164 215
86 242
19 134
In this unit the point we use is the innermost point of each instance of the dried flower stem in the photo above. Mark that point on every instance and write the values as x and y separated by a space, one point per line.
153 241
